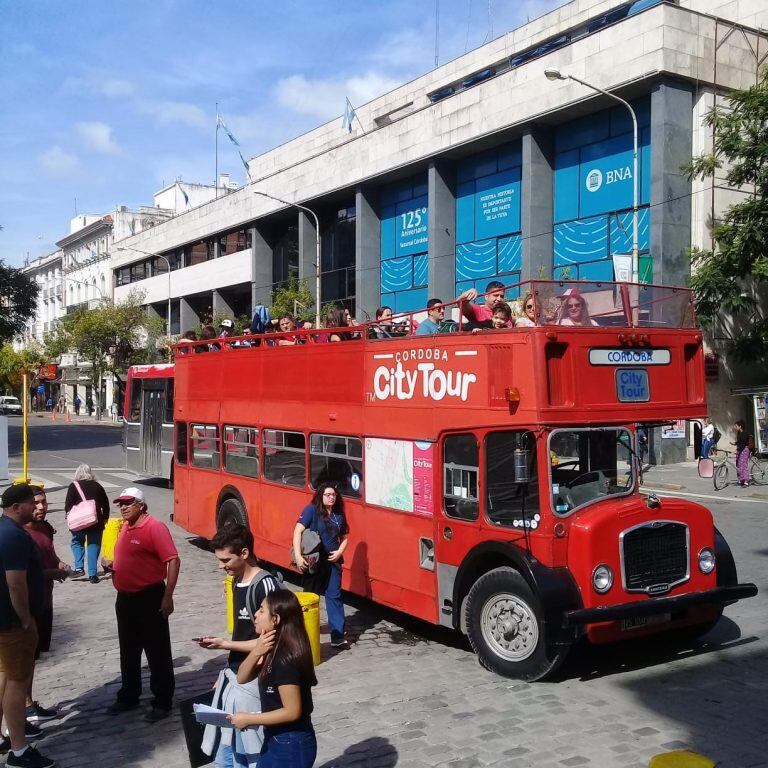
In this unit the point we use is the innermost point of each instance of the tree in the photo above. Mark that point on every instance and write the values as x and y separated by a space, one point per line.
295 297
13 365
732 279
110 337
18 301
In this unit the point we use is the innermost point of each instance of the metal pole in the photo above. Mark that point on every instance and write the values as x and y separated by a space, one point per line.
25 397
216 177
317 246
635 182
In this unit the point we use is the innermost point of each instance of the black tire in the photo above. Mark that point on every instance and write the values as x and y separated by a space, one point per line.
759 472
720 477
231 512
515 645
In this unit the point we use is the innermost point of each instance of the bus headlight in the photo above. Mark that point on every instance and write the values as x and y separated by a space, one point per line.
602 579
706 560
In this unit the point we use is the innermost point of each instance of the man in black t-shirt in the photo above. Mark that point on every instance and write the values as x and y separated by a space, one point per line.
233 547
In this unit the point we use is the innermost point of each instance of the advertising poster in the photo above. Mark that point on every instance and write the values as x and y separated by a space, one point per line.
675 429
423 496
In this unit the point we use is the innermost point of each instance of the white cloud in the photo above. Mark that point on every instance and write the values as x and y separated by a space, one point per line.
59 164
325 98
98 83
98 137
182 112
116 88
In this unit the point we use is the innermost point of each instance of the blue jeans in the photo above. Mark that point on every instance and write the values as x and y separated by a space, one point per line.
706 447
93 535
225 758
291 749
333 605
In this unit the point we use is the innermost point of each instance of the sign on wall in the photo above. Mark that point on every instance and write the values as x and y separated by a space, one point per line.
497 204
412 228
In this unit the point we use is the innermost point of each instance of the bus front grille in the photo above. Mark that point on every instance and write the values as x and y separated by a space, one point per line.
654 557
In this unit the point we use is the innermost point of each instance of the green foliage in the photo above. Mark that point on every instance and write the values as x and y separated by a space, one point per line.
13 365
295 297
18 301
110 337
732 280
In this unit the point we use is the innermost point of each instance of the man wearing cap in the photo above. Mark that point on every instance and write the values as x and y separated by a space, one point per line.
226 327
145 571
22 598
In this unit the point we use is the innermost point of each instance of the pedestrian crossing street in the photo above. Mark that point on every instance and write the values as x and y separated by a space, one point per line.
55 479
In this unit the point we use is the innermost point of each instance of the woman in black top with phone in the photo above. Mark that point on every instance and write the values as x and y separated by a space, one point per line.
286 676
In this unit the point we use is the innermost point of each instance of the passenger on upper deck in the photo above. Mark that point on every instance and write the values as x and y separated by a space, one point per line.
286 323
478 313
435 316
335 319
574 310
208 332
383 327
502 317
226 327
187 337
529 309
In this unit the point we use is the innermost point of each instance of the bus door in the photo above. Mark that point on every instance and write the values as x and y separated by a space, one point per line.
152 412
132 441
457 515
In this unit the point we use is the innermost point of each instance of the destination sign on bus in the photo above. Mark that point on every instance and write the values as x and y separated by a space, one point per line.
629 356
632 385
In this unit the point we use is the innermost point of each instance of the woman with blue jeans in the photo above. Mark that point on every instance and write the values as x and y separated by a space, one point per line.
325 516
88 538
286 675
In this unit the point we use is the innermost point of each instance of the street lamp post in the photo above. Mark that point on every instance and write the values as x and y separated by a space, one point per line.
555 74
317 246
168 265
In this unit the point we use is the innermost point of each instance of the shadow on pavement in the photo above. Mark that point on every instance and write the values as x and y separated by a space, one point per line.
374 751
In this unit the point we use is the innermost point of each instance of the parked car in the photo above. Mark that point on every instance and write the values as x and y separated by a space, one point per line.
10 406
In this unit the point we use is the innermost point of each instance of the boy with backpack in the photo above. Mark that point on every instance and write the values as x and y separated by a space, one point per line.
233 547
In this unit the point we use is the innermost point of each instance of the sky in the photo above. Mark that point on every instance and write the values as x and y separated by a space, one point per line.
105 103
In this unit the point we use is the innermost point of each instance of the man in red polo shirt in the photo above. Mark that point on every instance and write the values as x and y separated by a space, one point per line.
145 571
482 313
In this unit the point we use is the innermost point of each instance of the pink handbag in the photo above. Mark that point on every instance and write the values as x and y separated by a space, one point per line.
84 514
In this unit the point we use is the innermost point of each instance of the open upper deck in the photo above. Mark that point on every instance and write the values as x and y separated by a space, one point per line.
637 358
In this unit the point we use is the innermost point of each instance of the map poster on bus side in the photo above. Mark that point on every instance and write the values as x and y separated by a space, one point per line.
398 474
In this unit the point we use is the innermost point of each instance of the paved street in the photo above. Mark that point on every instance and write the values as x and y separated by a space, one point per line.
407 694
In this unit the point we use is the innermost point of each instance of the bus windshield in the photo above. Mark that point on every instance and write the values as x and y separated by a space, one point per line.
588 465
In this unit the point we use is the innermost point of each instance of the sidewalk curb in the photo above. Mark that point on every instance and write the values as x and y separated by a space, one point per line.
667 486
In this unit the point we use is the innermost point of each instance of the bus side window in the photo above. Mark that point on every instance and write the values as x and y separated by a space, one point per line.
461 463
337 460
168 412
181 442
241 451
135 412
284 457
511 480
205 446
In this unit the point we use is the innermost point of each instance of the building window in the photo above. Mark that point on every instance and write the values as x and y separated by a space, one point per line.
338 258
199 252
284 457
181 442
138 271
511 480
404 245
285 256
241 451
235 241
205 446
461 463
337 460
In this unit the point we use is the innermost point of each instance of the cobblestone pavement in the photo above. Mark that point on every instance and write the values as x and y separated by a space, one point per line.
410 695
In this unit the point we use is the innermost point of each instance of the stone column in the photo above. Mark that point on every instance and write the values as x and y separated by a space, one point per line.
537 204
441 185
308 252
367 253
261 268
670 233
221 306
188 318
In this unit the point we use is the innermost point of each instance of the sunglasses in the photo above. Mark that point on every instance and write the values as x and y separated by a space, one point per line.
577 305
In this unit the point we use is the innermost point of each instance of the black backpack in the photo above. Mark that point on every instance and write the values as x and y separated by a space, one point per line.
716 435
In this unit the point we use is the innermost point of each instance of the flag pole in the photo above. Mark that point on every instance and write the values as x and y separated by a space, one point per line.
216 176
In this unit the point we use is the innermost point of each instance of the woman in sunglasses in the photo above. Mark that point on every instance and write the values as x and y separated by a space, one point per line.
574 310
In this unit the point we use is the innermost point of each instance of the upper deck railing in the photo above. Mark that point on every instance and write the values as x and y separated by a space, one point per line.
536 303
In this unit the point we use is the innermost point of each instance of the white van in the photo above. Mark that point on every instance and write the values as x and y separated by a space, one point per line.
10 406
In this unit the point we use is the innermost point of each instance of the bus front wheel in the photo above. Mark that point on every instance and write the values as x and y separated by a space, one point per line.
505 627
231 512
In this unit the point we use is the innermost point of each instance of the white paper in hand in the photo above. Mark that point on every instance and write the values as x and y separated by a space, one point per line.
211 716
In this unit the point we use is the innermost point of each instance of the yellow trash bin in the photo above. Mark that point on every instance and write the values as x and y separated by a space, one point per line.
681 759
229 597
109 539
310 606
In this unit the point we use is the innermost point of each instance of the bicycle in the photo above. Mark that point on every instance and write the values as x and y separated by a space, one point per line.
725 470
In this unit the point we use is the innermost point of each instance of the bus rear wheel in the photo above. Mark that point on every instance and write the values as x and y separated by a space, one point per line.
231 512
505 627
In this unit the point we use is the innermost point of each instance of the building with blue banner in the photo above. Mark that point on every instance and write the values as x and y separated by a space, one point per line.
484 169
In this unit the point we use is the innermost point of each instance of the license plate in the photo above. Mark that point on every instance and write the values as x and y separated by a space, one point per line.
637 622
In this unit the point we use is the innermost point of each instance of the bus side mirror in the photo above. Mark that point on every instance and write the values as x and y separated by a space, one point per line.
521 458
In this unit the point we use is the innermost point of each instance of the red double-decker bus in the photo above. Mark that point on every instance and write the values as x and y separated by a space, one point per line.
490 479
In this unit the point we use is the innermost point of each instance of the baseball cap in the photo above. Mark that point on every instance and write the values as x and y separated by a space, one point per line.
17 494
568 293
226 324
130 494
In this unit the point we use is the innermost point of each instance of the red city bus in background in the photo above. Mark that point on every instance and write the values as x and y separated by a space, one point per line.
490 479
148 420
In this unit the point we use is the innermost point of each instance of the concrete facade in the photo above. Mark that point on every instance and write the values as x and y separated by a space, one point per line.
671 60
